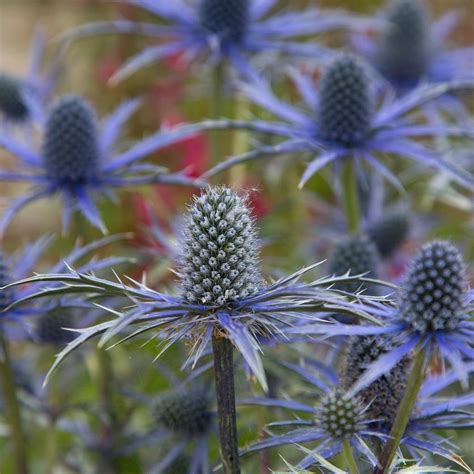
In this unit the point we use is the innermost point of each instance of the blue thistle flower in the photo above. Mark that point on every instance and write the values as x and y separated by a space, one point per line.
364 416
221 288
356 255
77 158
24 98
343 123
185 412
233 31
434 311
50 328
412 49
388 232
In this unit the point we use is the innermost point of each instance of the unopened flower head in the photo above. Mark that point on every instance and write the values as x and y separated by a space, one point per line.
357 255
220 259
12 104
384 395
185 411
70 147
389 232
227 19
432 297
339 414
405 47
6 295
345 104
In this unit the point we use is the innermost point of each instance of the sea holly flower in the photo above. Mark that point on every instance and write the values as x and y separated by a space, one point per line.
342 121
389 232
78 158
221 288
377 405
24 99
413 49
433 312
231 31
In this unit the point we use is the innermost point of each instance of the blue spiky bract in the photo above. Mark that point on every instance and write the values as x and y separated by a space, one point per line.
384 394
340 414
227 19
185 411
12 104
357 255
50 328
220 257
345 103
70 146
389 232
405 47
432 296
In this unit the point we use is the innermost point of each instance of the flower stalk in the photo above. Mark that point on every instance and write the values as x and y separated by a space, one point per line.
349 457
403 413
13 412
225 391
218 75
350 196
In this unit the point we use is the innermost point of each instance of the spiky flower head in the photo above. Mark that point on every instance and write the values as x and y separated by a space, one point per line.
432 296
389 232
12 104
345 103
185 411
227 19
220 256
340 414
50 328
405 47
357 255
383 396
70 147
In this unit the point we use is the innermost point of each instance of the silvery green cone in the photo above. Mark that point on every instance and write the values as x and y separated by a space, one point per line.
220 257
357 255
70 147
345 104
383 396
228 19
185 411
340 414
432 296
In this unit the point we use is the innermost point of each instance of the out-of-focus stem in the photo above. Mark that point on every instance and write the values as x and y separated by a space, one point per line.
12 409
350 196
218 77
349 457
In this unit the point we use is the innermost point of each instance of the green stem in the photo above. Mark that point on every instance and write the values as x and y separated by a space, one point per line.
51 446
225 391
403 412
350 196
218 76
12 409
349 457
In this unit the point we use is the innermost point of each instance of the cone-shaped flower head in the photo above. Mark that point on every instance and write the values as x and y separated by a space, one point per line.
385 394
339 414
389 232
6 295
433 294
357 255
220 258
12 104
50 328
70 147
227 19
405 47
345 103
185 411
